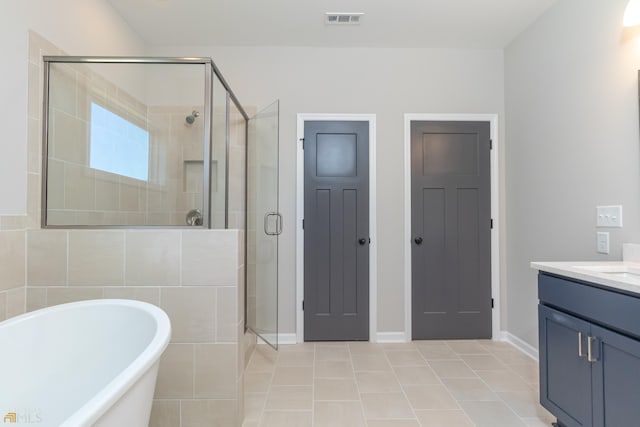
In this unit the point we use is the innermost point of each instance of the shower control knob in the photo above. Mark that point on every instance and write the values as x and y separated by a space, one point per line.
418 240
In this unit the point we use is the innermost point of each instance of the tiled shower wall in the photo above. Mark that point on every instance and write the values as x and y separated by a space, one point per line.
196 276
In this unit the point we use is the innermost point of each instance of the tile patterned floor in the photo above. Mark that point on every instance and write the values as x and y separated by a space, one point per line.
422 383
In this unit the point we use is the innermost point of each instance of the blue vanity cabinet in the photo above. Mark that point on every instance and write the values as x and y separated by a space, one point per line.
616 379
565 373
589 353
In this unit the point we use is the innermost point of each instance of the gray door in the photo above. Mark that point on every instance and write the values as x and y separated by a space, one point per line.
336 230
450 224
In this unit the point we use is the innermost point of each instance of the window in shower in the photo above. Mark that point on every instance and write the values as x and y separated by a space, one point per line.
117 145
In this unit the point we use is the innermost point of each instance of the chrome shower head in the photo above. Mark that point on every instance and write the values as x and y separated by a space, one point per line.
192 117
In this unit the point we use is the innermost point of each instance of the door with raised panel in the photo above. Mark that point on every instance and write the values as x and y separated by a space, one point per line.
565 372
451 230
336 230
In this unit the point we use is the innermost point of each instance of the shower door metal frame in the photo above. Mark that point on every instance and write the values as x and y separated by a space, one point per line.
210 69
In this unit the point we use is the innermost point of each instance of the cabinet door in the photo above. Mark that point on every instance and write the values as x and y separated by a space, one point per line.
565 375
616 379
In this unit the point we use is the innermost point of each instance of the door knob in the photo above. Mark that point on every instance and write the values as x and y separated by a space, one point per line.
362 241
418 240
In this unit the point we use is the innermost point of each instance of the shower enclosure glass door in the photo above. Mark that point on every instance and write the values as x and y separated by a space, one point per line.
264 224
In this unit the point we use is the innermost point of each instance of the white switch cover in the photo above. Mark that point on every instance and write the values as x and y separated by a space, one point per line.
609 216
602 242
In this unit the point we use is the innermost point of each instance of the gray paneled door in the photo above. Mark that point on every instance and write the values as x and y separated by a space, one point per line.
336 230
451 230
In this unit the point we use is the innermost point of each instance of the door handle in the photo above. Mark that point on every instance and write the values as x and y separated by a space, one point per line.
590 357
580 354
278 230
362 242
418 240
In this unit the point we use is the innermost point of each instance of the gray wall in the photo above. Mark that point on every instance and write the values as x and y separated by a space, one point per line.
387 82
571 99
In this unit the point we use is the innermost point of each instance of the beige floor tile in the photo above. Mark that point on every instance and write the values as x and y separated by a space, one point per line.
537 422
438 418
290 398
377 382
338 414
525 404
406 358
491 414
335 389
257 382
296 358
512 357
370 362
251 423
333 369
364 347
332 353
430 396
451 369
503 381
469 389
437 351
381 406
262 360
288 348
493 345
467 347
416 375
254 405
293 375
527 371
399 346
342 344
393 423
482 362
286 419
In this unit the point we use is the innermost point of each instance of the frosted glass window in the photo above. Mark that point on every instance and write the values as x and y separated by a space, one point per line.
336 155
117 145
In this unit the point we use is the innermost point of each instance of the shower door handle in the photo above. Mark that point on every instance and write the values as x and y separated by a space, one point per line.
278 230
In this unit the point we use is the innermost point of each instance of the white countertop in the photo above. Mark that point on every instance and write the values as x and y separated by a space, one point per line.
616 278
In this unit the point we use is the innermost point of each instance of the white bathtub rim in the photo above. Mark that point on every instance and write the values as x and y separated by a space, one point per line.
99 404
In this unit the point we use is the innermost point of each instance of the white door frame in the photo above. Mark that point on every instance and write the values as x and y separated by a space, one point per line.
373 272
495 211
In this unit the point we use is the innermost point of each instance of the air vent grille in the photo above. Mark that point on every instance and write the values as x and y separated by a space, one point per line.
343 18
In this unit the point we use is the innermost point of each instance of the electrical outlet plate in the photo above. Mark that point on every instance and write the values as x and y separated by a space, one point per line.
602 242
609 216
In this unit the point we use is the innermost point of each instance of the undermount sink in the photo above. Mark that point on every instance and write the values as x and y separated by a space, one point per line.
618 270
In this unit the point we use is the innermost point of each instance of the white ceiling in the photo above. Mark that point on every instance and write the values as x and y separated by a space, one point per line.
386 23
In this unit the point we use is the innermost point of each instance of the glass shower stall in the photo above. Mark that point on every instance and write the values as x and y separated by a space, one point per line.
163 142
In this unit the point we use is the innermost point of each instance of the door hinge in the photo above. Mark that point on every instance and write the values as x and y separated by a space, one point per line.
491 144
491 302
303 224
302 305
302 140
491 223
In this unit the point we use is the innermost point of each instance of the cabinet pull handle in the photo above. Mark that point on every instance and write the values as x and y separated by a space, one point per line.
590 357
580 353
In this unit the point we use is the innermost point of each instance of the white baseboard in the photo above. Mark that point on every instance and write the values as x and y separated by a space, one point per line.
521 345
283 339
390 337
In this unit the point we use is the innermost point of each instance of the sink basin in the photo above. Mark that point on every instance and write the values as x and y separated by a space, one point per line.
617 270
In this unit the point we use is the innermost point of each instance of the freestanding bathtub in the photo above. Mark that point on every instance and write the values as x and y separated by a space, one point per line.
90 363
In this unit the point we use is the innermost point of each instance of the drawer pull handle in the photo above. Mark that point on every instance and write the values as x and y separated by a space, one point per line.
580 353
590 357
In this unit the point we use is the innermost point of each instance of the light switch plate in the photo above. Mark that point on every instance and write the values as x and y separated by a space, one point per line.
602 242
609 216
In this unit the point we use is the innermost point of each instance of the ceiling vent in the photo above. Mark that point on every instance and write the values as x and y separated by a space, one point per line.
343 18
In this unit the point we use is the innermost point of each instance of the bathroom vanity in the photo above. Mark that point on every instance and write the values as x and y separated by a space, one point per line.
589 332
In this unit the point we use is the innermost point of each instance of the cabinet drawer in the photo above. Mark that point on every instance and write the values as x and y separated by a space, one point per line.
607 307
